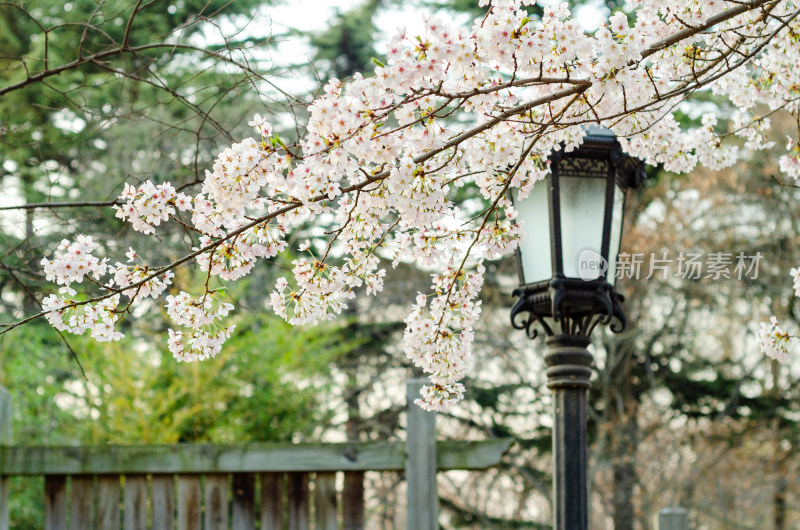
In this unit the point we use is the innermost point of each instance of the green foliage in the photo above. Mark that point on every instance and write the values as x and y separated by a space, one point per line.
348 45
26 502
257 389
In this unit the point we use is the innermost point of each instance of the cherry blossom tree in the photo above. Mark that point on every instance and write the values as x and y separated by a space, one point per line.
384 156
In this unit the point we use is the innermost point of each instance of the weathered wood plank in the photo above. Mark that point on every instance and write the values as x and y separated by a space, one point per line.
4 512
239 458
162 492
108 502
272 486
353 501
81 501
423 500
298 501
189 498
216 501
134 514
201 458
325 501
55 502
244 501
5 439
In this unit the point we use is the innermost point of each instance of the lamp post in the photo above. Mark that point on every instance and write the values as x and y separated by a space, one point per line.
567 278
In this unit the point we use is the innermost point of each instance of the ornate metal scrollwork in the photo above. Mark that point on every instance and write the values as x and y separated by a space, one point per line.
569 166
522 307
571 306
525 323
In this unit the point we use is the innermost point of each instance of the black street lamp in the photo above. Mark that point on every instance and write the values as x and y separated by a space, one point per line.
567 277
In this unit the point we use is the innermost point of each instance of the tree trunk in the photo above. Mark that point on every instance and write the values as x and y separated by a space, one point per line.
624 469
779 503
624 480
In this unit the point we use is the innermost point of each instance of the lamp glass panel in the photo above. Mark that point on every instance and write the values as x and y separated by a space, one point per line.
616 233
534 248
582 207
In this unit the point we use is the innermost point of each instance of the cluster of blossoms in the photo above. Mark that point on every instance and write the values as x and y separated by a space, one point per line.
146 206
790 163
774 341
322 293
73 261
383 157
147 285
439 336
235 257
205 336
753 129
125 275
99 318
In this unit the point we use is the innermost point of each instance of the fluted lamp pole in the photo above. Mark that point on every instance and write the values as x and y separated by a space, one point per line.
567 266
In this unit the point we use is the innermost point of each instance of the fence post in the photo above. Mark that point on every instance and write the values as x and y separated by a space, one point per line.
5 439
423 501
673 518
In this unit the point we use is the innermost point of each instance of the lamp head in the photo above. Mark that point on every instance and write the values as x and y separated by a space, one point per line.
574 219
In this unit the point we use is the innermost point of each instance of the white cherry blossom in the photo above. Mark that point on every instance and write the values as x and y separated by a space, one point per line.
73 261
774 341
147 205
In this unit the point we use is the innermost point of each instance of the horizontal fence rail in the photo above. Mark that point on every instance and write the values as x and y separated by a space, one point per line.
235 458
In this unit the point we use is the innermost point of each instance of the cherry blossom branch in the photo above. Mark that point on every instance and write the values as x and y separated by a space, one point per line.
691 87
129 25
712 21
53 205
104 54
745 59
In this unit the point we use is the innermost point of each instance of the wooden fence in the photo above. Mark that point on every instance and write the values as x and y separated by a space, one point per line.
220 486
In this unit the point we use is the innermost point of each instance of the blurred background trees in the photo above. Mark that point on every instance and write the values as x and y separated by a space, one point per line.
685 410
